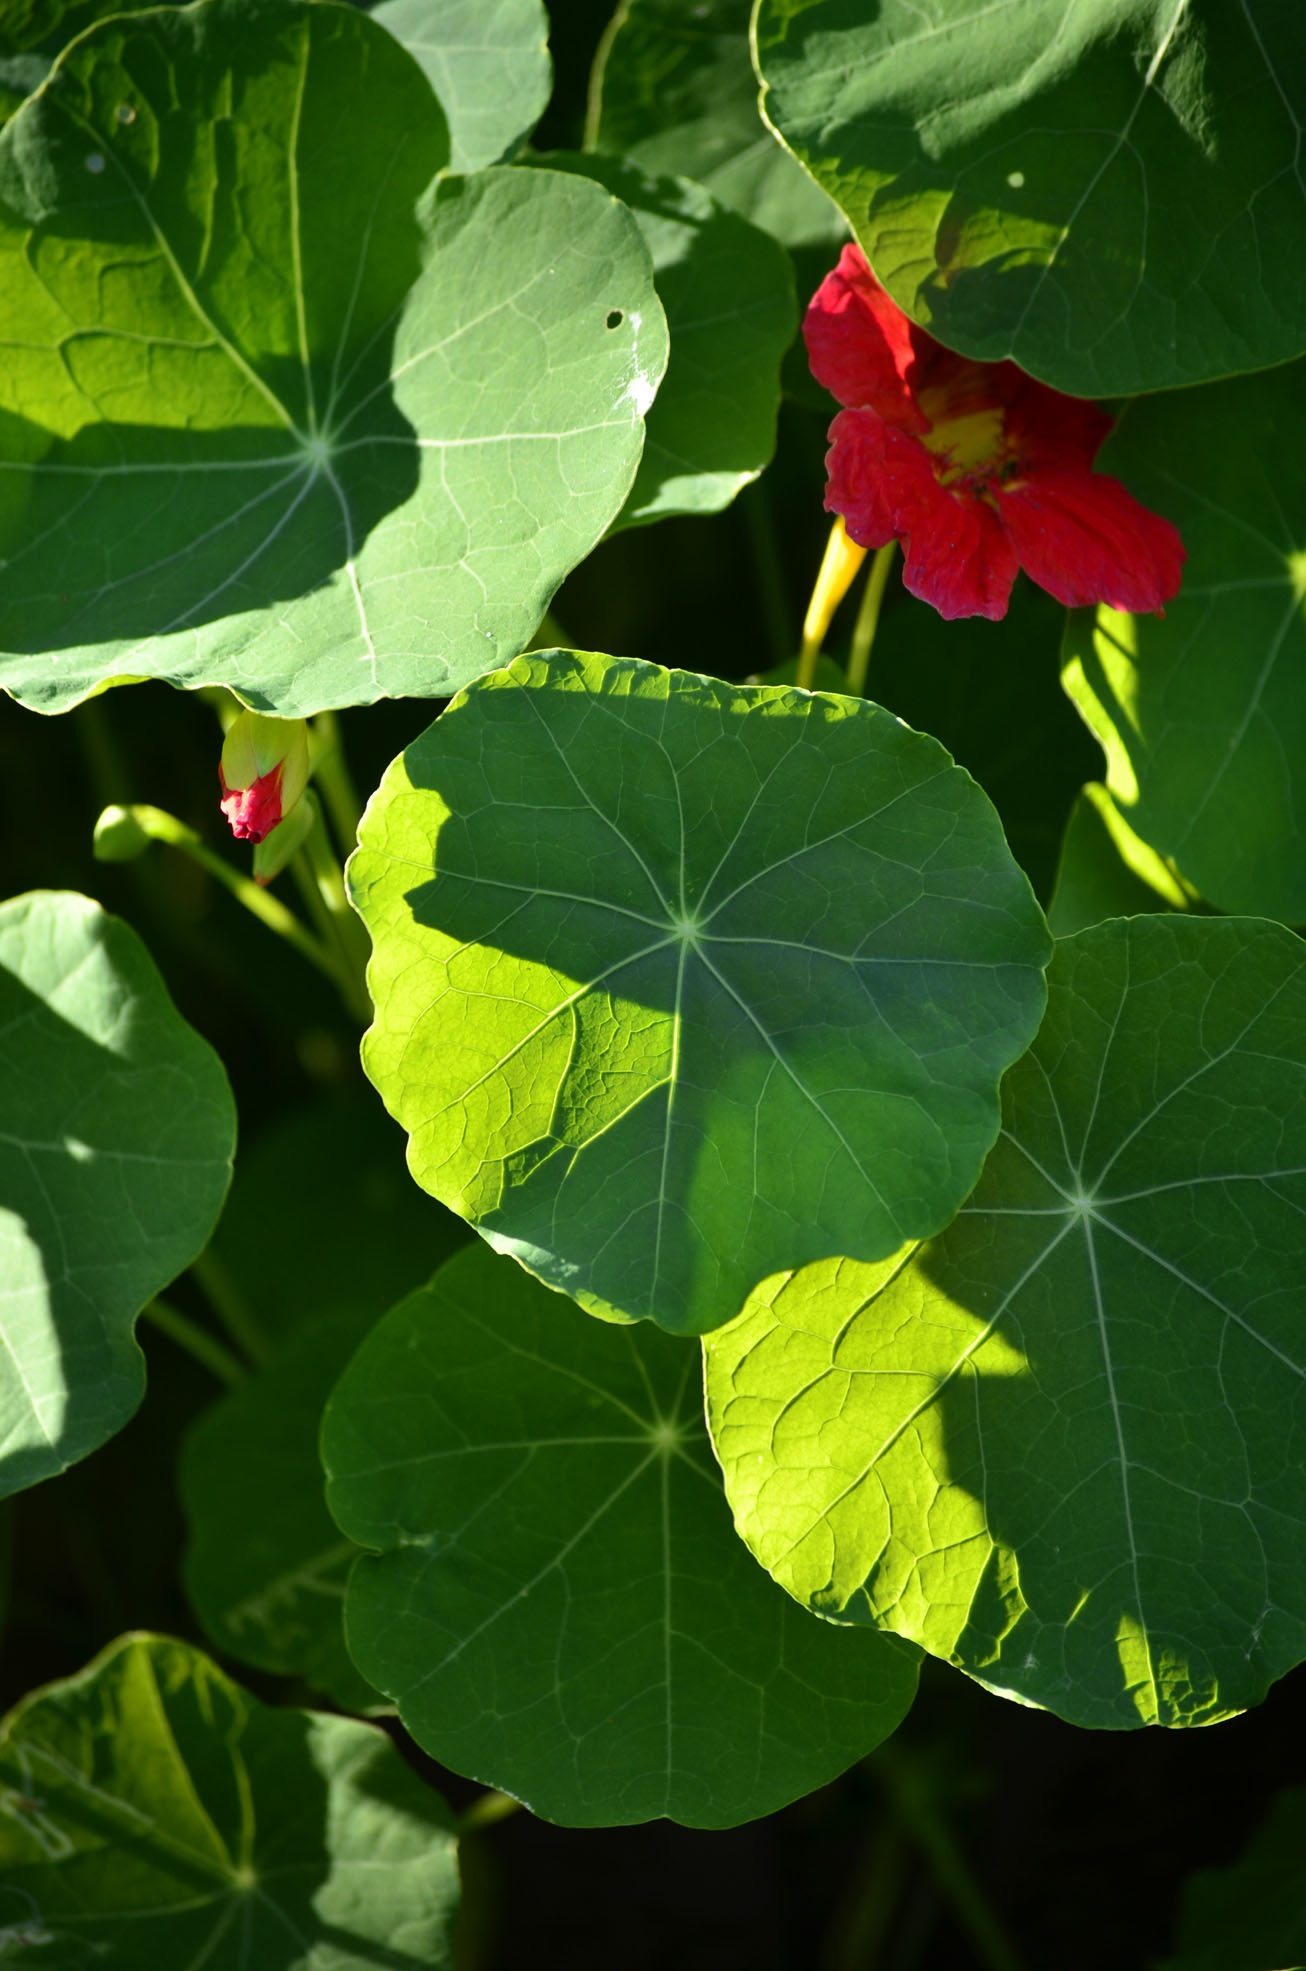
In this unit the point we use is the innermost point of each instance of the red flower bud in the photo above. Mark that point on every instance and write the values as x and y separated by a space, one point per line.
264 770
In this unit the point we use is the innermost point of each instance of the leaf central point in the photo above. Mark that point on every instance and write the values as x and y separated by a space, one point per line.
317 451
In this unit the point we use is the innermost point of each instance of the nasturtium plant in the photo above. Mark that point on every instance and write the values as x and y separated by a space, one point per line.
116 1136
555 1599
1052 186
638 934
1202 712
1056 1445
724 1307
155 1813
344 455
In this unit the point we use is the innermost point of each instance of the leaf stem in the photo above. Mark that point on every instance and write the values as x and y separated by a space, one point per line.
839 564
868 617
204 1348
331 772
913 1802
322 883
160 826
230 1305
485 1810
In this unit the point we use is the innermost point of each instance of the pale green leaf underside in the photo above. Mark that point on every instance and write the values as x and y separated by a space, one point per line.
678 983
1110 192
727 289
265 1567
488 62
267 424
1202 711
116 1135
559 1604
1058 1445
675 92
156 1814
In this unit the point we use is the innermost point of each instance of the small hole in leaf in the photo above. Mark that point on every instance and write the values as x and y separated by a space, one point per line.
616 316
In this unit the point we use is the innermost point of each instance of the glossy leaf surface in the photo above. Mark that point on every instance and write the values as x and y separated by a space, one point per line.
266 1566
1055 1445
675 91
158 1814
1202 712
266 423
488 62
678 982
1109 193
116 1135
558 1603
727 289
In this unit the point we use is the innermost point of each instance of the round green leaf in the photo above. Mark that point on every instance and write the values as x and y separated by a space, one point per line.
116 1136
488 62
265 1569
728 293
1111 193
678 983
1202 711
1060 1445
156 1814
558 1603
267 422
674 91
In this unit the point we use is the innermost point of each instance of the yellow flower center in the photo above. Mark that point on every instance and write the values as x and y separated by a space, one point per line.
970 447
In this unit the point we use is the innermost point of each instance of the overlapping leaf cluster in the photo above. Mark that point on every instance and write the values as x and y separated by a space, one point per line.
716 1009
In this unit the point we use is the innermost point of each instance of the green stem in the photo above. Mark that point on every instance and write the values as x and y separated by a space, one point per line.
912 1799
163 827
230 1305
485 1810
325 889
205 1348
868 616
864 1921
331 772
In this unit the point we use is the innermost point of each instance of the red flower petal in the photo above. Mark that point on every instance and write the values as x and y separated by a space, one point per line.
860 345
1049 431
253 811
956 556
1084 539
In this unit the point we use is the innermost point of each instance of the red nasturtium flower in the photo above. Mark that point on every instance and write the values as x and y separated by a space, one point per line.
263 771
975 467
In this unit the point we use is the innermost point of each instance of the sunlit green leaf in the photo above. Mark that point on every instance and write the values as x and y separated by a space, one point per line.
1105 871
558 1603
675 91
1110 193
488 62
265 1569
679 983
266 422
1057 1445
728 294
156 1814
116 1134
1202 711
